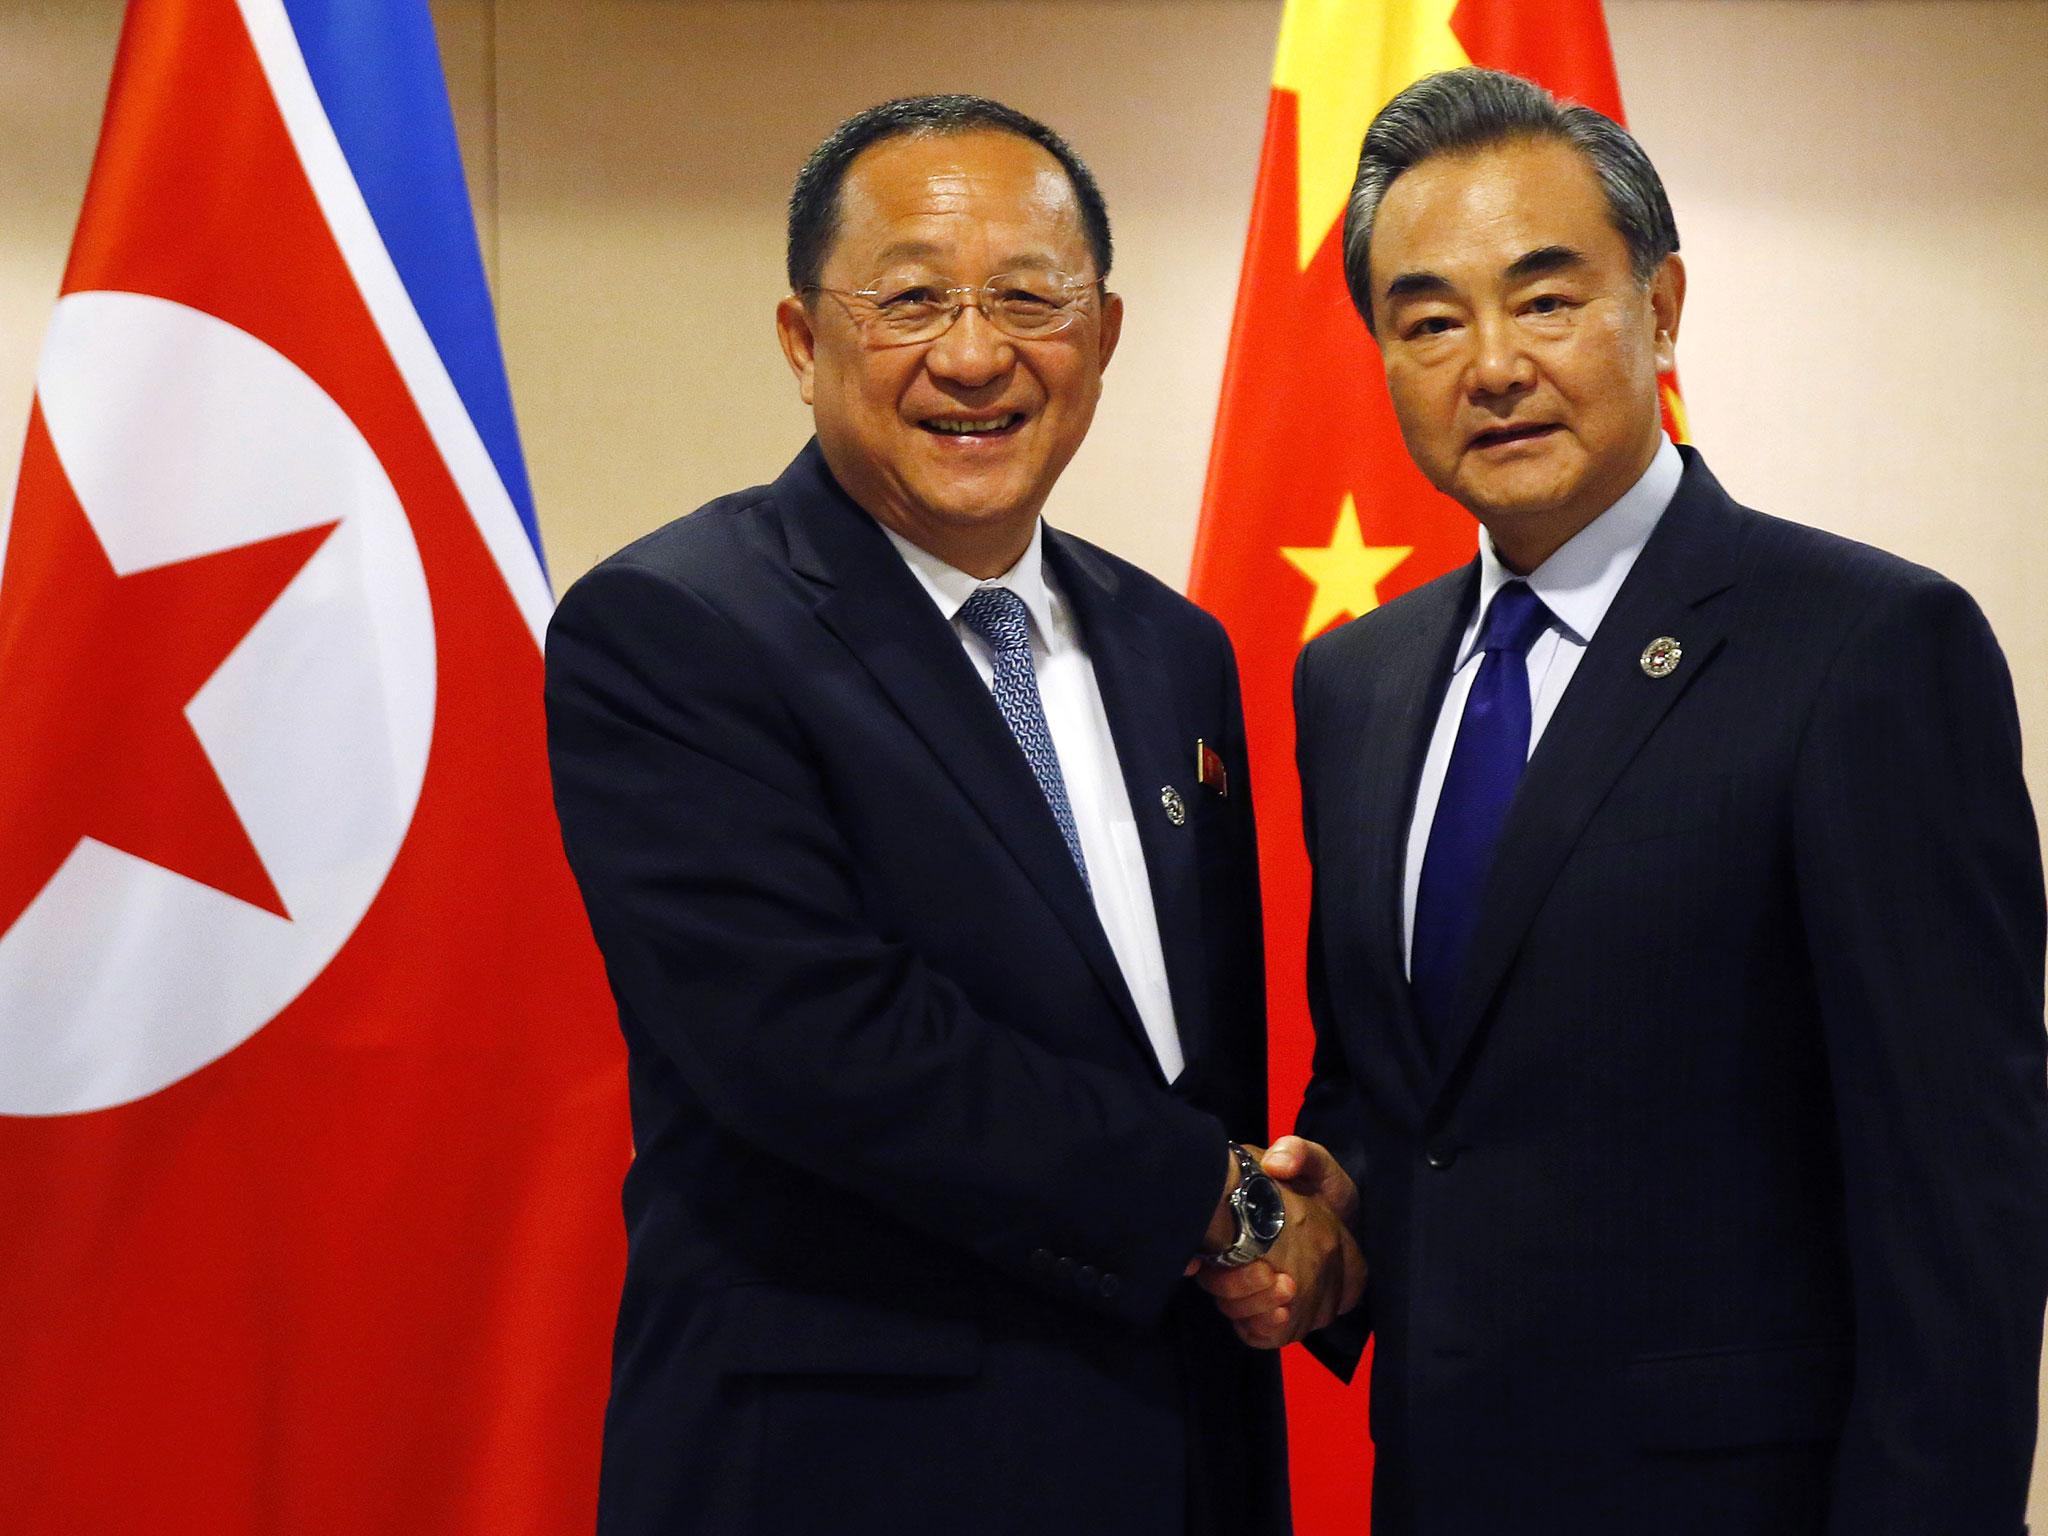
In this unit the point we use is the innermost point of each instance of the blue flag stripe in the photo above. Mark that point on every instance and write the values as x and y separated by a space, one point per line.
377 69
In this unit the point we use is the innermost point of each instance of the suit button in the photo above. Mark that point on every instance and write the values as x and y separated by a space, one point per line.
1441 1156
1086 1276
1110 1286
1063 1269
1041 1260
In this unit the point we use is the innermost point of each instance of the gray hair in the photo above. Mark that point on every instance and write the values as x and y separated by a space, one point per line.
1461 111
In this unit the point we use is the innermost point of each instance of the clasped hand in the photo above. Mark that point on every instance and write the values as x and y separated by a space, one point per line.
1314 1273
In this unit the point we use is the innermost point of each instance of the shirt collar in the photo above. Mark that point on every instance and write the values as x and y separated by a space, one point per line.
1578 582
950 587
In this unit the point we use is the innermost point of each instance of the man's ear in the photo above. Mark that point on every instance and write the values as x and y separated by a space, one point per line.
1110 329
1667 302
799 343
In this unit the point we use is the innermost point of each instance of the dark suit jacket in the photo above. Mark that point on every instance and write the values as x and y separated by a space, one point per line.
911 1196
1722 1207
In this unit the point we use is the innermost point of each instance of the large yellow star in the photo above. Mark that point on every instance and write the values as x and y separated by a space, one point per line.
1344 59
1347 572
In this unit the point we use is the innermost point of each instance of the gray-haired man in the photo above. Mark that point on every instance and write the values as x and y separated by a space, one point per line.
1677 972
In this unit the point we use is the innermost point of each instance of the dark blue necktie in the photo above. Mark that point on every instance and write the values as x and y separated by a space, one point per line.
998 615
1486 764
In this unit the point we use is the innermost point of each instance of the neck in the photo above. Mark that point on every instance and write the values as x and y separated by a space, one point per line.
1524 540
984 564
1522 548
982 553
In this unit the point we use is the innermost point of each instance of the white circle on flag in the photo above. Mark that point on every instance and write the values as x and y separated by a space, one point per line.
183 435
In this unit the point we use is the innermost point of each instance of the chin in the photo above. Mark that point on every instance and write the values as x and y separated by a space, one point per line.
977 504
1499 499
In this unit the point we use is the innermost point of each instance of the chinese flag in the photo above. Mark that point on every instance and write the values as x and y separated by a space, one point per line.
1313 513
311 1107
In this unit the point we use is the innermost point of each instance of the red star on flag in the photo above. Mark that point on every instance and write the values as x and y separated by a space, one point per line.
96 669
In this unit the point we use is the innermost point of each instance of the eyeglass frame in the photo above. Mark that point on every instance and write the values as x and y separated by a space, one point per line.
1071 309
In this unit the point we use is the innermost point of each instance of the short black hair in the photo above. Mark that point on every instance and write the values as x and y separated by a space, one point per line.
814 200
1463 111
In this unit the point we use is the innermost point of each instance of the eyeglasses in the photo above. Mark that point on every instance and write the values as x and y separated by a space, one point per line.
1024 305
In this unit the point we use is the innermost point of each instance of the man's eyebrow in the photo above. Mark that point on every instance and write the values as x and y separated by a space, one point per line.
924 250
901 249
1410 284
1543 260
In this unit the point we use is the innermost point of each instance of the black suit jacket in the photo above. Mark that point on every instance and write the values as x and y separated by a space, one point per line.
1723 1207
911 1196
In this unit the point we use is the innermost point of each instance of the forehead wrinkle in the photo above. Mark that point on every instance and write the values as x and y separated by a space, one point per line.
1504 224
950 189
949 212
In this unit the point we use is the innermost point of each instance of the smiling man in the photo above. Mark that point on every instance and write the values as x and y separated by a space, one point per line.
1677 969
916 838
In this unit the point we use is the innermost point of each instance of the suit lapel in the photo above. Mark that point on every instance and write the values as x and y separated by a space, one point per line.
1609 710
883 616
1154 750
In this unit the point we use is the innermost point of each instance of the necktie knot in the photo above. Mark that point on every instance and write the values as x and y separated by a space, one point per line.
999 616
1515 619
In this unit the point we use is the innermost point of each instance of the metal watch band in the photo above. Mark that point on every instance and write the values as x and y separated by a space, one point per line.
1247 1246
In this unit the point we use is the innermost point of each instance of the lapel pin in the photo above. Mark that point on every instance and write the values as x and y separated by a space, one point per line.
1176 809
1209 768
1661 657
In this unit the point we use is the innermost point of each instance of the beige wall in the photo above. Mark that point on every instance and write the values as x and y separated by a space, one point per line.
1861 189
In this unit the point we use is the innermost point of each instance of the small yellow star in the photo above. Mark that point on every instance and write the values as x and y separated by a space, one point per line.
1347 572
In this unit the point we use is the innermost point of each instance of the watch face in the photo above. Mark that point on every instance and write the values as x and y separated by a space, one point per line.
1262 1208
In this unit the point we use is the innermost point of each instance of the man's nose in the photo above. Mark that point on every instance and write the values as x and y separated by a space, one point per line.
970 351
1501 364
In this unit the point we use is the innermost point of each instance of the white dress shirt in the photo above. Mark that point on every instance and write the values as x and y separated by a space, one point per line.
1577 584
1072 701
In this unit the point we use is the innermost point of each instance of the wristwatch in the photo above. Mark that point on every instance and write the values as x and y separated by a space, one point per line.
1260 1215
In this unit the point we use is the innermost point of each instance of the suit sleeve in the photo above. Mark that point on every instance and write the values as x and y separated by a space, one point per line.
727 906
1331 1111
1919 873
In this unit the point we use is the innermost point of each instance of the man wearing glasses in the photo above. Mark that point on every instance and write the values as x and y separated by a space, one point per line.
917 840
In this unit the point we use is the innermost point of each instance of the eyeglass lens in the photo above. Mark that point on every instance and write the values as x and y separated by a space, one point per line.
905 308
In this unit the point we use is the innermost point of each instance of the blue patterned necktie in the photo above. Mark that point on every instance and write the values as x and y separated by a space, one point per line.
998 615
1486 764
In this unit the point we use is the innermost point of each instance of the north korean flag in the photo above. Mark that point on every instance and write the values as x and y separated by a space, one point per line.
311 1106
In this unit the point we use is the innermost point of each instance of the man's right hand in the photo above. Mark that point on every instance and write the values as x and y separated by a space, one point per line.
1314 1273
1308 1168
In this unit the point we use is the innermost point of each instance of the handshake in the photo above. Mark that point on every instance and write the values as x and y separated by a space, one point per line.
1313 1273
